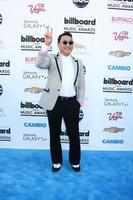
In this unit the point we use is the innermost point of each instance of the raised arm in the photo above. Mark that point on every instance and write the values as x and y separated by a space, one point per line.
43 60
48 36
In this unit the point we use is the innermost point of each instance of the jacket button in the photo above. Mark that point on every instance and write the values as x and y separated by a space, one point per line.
58 89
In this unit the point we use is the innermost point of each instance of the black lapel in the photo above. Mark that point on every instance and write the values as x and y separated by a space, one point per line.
77 70
56 57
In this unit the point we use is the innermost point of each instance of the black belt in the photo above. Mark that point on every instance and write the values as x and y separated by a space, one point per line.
66 98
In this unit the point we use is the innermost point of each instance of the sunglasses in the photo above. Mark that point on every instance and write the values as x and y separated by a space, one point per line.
68 42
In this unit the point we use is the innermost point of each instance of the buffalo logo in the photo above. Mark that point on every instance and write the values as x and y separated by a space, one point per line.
81 3
113 130
119 53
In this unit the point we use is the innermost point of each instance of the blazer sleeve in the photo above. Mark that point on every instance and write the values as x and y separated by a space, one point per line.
81 83
42 60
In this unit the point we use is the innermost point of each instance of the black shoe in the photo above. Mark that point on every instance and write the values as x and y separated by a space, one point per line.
56 168
76 168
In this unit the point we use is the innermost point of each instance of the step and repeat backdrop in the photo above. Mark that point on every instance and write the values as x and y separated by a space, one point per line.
103 35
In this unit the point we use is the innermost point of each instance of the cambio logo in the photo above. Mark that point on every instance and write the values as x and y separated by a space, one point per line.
28 124
81 3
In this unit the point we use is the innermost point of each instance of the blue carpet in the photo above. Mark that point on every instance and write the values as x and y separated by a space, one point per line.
27 175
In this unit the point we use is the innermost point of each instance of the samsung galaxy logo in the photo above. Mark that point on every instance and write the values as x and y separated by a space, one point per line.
33 75
28 124
120 4
119 67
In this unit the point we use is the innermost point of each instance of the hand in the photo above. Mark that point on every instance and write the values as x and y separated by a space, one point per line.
81 103
48 35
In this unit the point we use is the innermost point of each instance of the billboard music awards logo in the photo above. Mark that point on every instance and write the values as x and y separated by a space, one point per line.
120 4
32 109
32 43
84 137
124 85
79 25
5 134
5 67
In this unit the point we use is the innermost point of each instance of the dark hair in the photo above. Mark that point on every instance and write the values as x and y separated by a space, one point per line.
63 34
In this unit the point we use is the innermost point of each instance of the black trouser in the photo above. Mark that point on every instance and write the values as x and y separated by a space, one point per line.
67 109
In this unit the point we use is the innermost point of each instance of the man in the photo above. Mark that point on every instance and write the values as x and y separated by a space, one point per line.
62 96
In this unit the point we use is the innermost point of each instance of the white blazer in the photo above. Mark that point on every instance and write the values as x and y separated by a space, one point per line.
51 92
